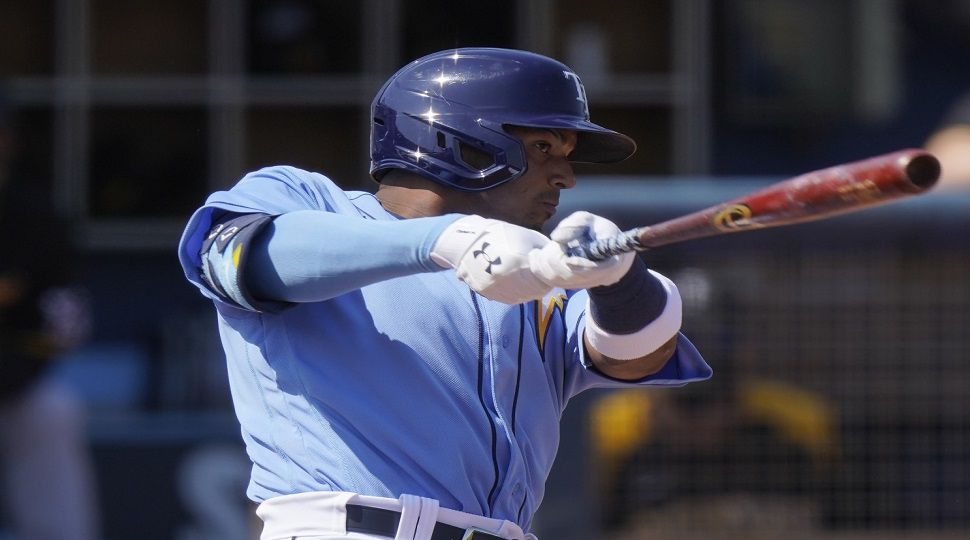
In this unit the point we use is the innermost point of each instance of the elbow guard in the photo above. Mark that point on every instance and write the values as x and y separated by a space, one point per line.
224 253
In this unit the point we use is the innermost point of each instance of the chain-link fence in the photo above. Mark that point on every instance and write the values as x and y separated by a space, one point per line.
839 407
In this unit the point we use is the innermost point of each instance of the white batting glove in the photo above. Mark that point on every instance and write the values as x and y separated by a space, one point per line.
554 266
492 257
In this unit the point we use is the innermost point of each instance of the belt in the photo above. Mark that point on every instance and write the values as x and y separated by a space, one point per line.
369 520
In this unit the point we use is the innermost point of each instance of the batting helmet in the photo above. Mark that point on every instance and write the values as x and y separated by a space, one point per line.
442 116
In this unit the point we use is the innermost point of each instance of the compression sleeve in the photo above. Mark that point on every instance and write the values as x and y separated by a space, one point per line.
309 255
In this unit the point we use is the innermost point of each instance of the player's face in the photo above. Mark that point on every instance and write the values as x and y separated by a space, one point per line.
531 199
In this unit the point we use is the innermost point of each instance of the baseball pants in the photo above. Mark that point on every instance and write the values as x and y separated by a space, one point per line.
342 515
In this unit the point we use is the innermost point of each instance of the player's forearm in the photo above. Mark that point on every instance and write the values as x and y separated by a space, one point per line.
632 325
636 368
310 256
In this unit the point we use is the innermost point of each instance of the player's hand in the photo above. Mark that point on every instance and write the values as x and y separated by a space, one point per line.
492 257
557 268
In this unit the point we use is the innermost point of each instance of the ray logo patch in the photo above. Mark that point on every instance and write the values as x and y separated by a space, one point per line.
546 308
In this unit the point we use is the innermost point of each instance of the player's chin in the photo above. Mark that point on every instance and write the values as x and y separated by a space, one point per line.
535 220
546 214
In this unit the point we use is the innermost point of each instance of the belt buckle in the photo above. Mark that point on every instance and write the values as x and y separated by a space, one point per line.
472 533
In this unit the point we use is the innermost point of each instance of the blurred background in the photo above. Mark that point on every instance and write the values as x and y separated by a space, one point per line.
840 405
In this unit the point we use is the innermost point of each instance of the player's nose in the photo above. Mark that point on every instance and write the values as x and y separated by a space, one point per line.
562 176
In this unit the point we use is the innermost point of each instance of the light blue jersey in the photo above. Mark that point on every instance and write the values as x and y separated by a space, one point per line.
411 384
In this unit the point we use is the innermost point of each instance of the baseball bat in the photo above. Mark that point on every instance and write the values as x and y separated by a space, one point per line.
812 196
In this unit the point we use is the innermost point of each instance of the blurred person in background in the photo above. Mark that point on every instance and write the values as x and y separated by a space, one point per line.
47 481
756 452
950 142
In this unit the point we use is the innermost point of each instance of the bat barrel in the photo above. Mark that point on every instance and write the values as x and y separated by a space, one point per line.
816 195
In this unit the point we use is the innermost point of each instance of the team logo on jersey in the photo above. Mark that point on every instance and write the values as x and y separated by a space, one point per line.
545 308
488 259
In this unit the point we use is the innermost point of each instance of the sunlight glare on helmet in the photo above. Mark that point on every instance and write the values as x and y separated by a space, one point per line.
442 79
431 115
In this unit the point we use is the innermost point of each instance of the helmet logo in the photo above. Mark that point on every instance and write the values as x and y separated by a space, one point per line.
580 91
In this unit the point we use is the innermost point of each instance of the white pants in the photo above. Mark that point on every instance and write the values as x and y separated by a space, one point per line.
322 515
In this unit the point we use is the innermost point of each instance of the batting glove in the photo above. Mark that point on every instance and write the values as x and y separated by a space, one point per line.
559 269
492 257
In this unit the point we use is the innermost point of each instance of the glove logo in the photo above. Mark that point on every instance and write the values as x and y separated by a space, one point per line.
488 259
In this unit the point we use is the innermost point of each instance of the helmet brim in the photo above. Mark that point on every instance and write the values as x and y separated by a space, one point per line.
595 143
602 146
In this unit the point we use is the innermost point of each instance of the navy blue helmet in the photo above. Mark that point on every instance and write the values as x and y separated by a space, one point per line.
443 116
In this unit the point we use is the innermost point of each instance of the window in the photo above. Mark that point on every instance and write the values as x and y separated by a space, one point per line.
303 37
435 25
26 38
138 110
146 162
320 139
148 37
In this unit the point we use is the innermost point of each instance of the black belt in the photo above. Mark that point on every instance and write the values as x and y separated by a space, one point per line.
368 520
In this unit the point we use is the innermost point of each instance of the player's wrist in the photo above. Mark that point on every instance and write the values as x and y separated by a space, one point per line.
635 316
492 258
629 303
455 239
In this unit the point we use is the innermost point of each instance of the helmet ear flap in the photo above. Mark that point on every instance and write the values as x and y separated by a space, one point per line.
487 153
471 155
474 157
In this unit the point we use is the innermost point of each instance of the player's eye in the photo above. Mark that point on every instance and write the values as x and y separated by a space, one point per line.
543 147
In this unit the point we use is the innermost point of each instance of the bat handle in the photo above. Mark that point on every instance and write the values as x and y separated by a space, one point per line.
604 248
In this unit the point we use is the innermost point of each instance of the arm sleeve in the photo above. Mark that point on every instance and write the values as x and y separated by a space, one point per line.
261 263
309 256
298 238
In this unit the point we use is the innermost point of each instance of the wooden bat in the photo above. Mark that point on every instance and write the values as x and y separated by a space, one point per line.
816 195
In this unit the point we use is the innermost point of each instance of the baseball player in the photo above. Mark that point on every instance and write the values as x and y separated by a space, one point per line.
399 361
